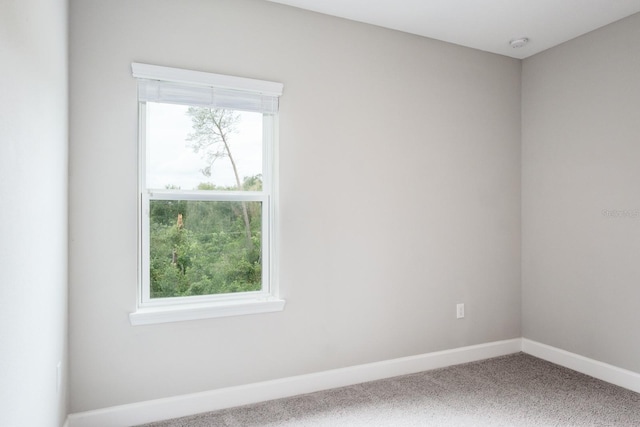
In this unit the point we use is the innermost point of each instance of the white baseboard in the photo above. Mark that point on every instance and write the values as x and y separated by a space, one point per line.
179 406
603 371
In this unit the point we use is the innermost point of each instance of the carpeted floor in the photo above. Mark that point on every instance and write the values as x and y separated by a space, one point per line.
514 390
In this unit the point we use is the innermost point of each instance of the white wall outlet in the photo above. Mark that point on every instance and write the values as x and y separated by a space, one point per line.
459 311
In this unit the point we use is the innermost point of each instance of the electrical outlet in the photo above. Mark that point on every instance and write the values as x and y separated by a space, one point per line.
459 311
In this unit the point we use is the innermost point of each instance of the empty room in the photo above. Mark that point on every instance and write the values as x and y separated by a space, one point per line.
308 212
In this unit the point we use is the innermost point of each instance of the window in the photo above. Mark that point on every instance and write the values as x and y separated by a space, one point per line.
207 181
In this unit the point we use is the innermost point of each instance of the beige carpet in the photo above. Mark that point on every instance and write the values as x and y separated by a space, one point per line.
514 390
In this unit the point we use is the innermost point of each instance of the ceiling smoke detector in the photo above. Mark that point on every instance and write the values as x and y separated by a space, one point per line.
518 43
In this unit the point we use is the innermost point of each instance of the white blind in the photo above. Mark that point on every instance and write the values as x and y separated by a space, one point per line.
177 86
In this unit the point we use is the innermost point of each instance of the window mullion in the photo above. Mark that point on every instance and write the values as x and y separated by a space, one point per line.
230 196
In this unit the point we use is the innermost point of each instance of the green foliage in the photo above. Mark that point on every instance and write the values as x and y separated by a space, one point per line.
200 248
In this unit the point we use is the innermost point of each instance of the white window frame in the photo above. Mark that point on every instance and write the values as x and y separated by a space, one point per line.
186 87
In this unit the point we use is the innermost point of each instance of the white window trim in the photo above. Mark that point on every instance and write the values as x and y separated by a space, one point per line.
211 306
208 310
177 75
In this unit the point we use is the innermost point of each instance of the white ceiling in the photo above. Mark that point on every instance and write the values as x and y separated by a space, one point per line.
487 25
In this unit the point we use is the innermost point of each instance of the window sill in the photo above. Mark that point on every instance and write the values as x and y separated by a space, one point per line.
177 313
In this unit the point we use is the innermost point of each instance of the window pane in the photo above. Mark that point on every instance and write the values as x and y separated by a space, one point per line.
192 147
204 248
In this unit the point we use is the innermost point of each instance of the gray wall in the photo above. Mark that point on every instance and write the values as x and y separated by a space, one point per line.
33 199
581 181
400 196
